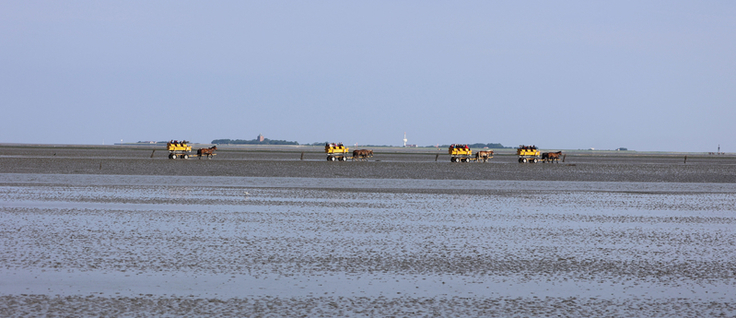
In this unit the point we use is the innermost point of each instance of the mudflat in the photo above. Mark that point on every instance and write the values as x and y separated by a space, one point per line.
417 164
115 231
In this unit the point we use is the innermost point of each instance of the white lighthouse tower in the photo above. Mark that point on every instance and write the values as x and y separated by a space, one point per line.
404 139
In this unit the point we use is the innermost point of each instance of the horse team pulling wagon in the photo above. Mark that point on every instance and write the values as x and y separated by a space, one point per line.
463 153
484 155
206 152
181 149
362 154
551 157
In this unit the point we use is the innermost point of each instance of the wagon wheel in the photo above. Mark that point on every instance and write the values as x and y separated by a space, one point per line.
185 156
173 156
534 160
523 160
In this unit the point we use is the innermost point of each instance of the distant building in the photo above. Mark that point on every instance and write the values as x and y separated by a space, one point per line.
260 138
622 149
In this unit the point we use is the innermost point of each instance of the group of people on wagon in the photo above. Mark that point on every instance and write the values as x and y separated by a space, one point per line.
532 147
334 145
459 146
178 143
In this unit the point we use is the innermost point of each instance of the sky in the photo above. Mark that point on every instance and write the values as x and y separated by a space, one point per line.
645 75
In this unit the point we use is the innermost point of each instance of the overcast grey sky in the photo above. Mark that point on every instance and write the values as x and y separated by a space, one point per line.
647 75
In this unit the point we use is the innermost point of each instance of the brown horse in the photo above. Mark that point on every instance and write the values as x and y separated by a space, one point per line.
209 152
551 156
483 155
362 154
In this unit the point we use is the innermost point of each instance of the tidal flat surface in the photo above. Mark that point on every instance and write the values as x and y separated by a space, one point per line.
121 243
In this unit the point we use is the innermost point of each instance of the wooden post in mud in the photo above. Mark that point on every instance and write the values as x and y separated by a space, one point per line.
563 157
685 159
100 165
437 156
302 157
152 152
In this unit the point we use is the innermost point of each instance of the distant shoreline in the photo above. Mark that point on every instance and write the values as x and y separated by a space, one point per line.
383 149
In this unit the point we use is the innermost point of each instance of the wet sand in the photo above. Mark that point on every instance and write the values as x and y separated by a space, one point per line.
92 232
290 162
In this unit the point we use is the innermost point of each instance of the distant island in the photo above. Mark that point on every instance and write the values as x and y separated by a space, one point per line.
265 141
260 140
480 145
257 141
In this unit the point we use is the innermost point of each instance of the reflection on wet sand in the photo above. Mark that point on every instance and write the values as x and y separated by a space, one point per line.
80 244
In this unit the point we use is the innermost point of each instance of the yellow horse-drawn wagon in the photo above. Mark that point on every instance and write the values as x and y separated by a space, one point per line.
178 149
528 154
337 152
460 153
